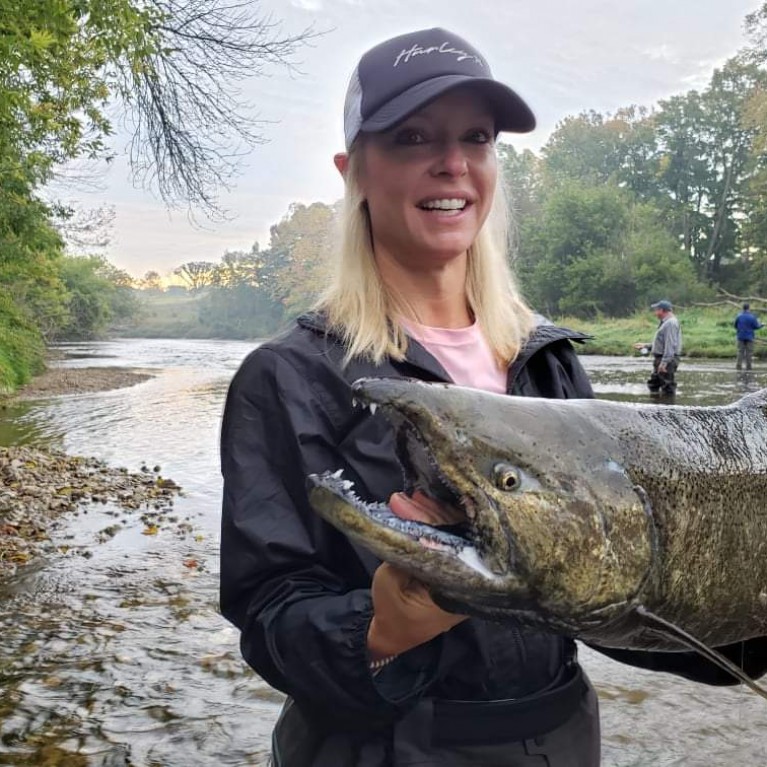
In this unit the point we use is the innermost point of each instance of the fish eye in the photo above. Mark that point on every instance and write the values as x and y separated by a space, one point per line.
506 477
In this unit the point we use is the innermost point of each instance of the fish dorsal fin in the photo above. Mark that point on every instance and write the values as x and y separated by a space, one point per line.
754 399
670 631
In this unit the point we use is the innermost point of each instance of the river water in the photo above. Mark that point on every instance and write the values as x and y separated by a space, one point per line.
113 653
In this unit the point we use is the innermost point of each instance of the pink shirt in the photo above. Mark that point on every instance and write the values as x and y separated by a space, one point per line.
464 353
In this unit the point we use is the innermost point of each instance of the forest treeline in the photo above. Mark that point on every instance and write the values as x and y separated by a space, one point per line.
615 211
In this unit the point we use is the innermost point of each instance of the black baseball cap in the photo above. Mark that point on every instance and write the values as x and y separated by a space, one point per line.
399 76
667 306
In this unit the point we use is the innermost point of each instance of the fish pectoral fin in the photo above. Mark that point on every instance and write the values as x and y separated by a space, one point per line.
670 631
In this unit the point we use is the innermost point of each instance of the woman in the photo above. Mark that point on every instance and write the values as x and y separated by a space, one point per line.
376 672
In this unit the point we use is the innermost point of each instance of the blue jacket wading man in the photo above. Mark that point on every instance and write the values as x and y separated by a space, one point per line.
745 325
376 673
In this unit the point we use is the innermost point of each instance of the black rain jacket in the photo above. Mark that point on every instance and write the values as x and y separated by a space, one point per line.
298 589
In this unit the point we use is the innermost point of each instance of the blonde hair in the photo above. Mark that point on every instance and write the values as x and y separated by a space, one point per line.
363 311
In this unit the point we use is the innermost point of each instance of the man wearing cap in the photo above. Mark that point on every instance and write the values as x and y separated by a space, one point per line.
665 348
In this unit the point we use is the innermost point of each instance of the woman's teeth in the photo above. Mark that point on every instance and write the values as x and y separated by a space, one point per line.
446 204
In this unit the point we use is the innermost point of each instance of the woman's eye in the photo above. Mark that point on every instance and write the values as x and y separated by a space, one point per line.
506 477
409 137
480 136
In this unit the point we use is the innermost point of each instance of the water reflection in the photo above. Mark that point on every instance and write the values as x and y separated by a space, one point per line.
113 653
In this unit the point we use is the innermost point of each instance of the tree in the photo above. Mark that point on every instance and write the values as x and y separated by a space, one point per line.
754 231
297 260
755 25
196 274
521 173
598 149
240 304
98 295
84 230
729 141
596 250
239 268
151 281
171 69
191 122
706 163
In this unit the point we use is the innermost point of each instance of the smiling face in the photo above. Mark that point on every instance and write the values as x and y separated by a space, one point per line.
429 181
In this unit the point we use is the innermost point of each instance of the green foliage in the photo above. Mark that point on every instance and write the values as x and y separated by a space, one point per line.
57 71
596 250
30 248
241 303
22 350
300 248
67 67
196 274
97 297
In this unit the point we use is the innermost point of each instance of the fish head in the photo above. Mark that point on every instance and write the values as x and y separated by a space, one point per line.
554 534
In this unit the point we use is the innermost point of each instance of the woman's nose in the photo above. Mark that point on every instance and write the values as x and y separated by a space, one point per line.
450 159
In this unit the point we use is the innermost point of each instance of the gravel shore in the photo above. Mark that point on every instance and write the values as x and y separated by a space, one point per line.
38 485
56 381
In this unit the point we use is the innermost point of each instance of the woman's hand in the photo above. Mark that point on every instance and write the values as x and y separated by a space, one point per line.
404 614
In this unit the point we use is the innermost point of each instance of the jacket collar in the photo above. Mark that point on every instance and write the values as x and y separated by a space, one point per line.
544 333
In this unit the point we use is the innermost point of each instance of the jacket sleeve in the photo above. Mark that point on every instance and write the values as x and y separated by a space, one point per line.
303 627
671 338
751 656
554 372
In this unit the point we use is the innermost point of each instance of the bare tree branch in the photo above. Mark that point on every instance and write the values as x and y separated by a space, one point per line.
191 121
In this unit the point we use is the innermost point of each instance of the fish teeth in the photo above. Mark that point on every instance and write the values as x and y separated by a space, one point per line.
373 407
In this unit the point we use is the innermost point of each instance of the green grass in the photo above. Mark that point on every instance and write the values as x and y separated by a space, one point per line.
706 332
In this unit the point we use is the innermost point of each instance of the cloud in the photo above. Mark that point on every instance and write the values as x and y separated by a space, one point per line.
662 52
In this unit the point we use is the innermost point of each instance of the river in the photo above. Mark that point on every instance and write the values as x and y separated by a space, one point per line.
113 653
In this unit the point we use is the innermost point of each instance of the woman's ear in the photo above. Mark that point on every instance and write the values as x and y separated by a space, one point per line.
341 161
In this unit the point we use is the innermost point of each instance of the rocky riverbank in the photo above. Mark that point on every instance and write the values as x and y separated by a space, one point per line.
39 485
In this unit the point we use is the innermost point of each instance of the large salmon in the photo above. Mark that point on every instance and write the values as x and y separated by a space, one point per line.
628 525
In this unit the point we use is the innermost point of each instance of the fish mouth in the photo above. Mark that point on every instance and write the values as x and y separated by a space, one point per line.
459 556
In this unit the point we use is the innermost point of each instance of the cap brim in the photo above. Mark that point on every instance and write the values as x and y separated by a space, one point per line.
510 111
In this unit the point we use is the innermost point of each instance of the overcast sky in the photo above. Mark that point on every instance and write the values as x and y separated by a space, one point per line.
562 56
